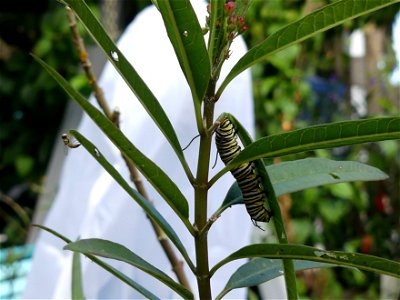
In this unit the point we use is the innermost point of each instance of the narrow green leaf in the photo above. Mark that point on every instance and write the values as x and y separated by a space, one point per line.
318 21
243 134
302 252
233 197
108 249
187 38
129 74
144 203
260 270
292 176
298 175
318 137
217 32
53 232
160 181
106 267
77 288
155 3
139 288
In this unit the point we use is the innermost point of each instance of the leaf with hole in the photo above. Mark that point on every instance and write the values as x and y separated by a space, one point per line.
298 175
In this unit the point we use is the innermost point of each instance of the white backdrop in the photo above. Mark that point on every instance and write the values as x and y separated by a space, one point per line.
90 204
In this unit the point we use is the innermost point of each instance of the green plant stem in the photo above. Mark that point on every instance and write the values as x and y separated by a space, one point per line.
201 242
201 197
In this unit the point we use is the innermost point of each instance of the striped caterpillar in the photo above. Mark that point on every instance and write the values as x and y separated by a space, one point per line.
245 174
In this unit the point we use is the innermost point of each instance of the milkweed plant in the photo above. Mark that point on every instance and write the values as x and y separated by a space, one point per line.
257 186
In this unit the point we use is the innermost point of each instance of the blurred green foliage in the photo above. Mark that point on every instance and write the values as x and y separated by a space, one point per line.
309 84
31 105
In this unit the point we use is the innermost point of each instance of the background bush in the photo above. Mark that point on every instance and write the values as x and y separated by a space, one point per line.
309 83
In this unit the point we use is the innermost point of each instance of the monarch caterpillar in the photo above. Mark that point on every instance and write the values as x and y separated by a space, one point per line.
245 174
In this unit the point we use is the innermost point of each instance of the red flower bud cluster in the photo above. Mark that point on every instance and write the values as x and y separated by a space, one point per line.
228 25
236 24
229 7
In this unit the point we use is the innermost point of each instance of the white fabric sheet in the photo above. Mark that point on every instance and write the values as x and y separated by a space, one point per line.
90 204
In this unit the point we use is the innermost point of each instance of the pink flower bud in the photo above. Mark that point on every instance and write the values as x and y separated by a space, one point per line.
231 21
240 20
229 7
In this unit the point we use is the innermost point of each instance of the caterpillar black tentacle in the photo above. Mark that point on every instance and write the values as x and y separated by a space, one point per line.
245 174
191 141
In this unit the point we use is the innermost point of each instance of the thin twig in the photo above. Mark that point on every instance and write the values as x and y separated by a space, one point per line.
177 264
16 207
86 63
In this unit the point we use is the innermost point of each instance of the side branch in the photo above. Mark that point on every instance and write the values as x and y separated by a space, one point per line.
86 63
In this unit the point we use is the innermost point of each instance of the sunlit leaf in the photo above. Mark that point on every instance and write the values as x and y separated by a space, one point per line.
293 176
